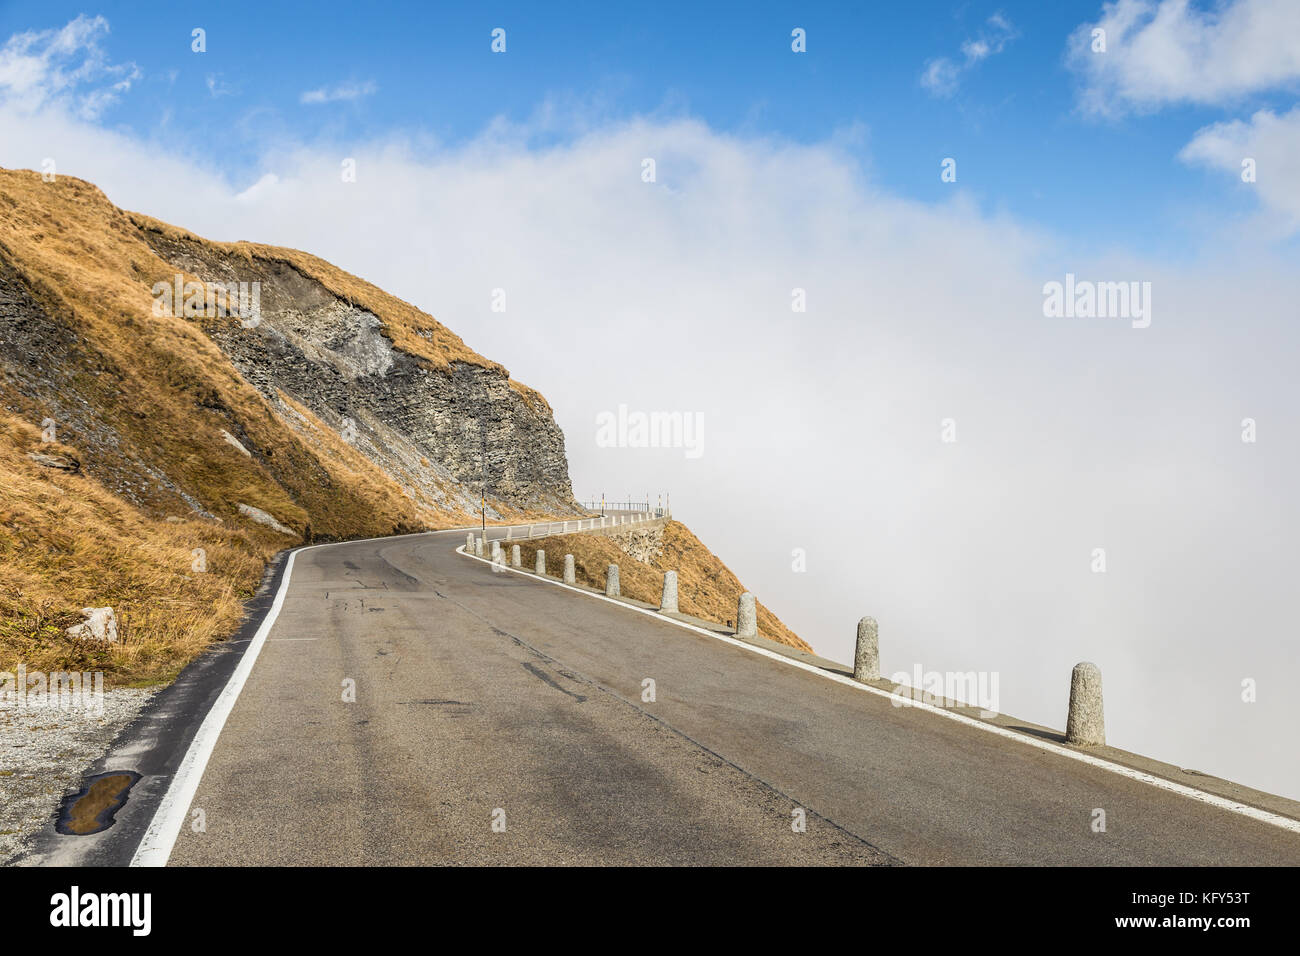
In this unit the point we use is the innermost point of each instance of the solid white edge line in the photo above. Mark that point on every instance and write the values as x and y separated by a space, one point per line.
1222 803
155 847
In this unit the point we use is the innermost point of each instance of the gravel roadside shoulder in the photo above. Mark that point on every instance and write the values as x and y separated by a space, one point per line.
45 751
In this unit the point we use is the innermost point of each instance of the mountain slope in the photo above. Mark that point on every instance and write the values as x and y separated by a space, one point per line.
134 434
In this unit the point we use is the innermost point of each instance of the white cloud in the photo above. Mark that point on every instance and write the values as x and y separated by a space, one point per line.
260 190
344 92
942 76
66 66
1072 434
1171 52
1273 142
216 86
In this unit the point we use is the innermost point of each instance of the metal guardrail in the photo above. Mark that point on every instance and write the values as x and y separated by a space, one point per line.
658 510
546 528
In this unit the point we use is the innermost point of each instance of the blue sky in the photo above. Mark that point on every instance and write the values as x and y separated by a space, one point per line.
1023 145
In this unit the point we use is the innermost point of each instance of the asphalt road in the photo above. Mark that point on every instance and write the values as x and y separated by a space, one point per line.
487 698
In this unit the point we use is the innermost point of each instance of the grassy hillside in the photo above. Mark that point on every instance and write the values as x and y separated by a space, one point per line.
67 543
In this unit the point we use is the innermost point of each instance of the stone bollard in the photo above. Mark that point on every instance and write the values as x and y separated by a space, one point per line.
747 616
866 656
539 565
611 581
569 576
496 548
514 556
1086 724
478 547
669 600
469 542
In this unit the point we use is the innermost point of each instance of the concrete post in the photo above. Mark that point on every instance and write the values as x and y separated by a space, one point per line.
747 616
539 565
611 581
530 531
866 656
669 600
1086 723
569 576
514 556
496 549
469 542
510 533
478 547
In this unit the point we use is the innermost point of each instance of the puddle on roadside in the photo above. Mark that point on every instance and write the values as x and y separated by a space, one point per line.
93 809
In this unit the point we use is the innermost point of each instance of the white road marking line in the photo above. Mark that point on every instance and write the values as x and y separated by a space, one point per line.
1222 803
156 845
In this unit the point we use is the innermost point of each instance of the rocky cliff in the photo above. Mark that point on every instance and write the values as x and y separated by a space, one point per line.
337 358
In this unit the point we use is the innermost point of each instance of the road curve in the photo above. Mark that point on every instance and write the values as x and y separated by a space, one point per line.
499 719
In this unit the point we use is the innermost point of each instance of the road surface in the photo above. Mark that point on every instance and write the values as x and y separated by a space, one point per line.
499 719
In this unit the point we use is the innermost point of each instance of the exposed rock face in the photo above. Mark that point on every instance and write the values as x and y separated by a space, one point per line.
59 462
643 544
48 374
100 624
261 517
430 428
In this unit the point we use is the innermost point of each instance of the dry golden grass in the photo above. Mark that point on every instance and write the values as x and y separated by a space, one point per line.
706 588
66 543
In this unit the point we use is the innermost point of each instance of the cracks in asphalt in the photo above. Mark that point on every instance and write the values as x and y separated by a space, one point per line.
579 677
546 678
